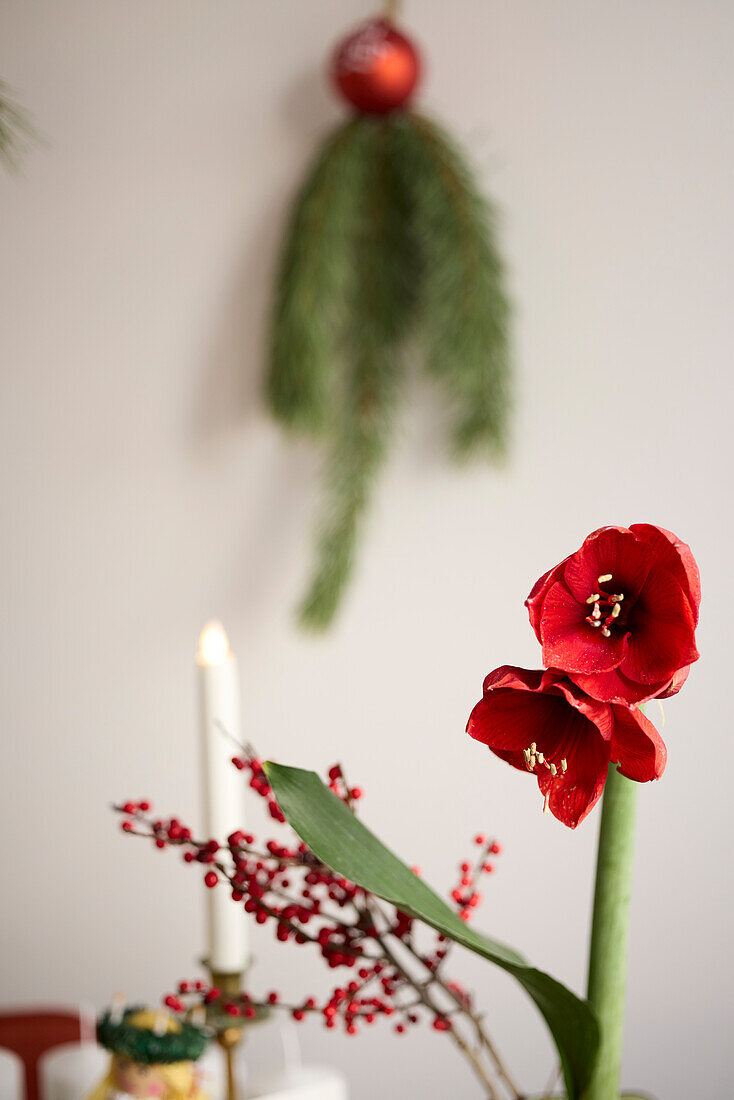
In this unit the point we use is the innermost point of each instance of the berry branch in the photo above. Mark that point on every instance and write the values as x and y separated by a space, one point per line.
308 903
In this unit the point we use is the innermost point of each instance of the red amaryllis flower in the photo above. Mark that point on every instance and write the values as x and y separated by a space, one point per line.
619 615
543 723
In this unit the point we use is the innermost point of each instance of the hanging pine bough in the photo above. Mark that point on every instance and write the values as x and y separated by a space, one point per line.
389 241
15 129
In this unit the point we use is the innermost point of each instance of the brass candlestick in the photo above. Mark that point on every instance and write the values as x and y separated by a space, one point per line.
229 1038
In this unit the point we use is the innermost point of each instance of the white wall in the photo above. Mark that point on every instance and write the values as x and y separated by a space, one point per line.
144 489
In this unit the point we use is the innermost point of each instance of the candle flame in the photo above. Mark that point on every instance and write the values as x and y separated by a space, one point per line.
213 644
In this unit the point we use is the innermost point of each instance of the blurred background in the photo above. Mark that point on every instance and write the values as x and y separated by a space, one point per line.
145 490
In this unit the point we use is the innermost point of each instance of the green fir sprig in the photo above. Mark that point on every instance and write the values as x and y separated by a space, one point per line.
389 242
16 131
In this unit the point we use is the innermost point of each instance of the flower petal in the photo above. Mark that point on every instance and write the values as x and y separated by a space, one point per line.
662 635
677 682
597 711
520 707
676 556
612 550
637 747
508 720
534 602
513 677
572 644
615 687
573 794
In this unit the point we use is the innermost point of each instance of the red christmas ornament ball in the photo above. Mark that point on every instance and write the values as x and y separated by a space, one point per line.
376 68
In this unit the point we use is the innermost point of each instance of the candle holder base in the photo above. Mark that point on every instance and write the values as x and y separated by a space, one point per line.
230 1037
228 981
229 1040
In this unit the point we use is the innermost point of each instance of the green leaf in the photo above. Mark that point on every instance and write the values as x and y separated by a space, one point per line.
342 842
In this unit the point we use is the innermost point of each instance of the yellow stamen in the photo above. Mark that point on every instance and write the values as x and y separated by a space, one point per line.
604 578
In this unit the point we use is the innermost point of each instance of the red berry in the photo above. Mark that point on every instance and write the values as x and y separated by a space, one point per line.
400 1028
145 806
130 808
160 843
211 879
334 772
232 1010
250 1013
495 848
489 868
273 998
480 838
298 1014
127 826
239 763
356 793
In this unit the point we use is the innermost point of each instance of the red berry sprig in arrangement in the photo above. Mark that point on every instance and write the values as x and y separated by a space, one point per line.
389 972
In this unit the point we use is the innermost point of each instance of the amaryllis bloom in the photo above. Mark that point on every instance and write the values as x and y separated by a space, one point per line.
543 723
619 616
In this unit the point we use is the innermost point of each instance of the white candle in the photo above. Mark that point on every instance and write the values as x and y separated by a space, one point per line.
223 789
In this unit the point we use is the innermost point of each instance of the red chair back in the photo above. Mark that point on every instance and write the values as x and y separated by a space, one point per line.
31 1032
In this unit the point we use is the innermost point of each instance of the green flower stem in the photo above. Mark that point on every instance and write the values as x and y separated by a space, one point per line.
609 931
